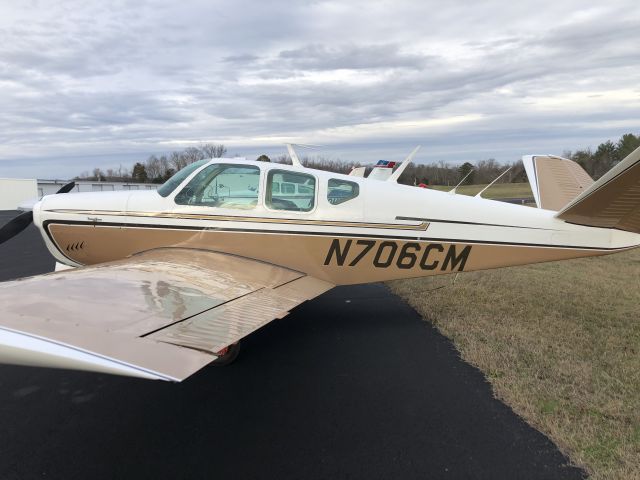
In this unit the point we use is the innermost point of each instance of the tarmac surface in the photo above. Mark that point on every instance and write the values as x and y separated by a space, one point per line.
353 384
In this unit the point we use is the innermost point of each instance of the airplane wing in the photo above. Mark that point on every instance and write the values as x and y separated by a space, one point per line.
162 314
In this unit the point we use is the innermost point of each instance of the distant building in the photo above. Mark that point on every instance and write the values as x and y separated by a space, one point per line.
15 191
49 187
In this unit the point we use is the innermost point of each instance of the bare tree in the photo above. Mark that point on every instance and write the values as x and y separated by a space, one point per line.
212 150
192 154
177 161
164 166
152 167
98 175
284 159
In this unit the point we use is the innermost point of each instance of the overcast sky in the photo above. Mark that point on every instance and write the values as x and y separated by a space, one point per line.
86 84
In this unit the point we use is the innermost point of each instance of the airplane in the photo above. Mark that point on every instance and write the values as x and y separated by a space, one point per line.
159 284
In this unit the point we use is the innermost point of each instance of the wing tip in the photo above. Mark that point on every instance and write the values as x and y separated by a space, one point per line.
19 348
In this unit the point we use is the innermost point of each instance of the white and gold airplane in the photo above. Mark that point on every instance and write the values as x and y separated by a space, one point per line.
169 281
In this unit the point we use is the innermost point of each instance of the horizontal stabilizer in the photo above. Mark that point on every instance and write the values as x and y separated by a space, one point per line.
611 202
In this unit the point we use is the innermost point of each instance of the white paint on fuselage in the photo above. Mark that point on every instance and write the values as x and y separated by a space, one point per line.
452 217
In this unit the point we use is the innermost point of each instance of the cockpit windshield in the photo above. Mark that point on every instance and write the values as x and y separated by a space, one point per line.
223 186
171 184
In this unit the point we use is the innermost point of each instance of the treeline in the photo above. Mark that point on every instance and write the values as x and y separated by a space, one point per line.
318 162
158 169
596 163
484 171
600 161
439 173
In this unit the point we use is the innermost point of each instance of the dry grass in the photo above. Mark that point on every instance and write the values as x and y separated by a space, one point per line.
559 342
499 190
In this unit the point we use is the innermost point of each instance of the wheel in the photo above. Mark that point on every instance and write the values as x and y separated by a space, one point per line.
227 355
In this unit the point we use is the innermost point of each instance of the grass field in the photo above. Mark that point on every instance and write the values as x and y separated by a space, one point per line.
499 190
559 342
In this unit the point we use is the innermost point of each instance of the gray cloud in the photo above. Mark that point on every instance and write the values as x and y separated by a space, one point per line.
133 78
321 57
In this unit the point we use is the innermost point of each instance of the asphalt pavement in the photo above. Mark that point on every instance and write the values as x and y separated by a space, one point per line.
353 384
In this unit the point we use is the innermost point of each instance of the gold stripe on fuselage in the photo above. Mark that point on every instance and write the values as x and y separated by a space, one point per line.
422 226
344 260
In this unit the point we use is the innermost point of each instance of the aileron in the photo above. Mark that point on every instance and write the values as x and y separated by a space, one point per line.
214 329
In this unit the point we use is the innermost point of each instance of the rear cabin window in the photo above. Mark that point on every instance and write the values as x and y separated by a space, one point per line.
290 191
223 186
341 191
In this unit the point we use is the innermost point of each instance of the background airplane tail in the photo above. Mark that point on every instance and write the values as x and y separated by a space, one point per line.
555 181
611 202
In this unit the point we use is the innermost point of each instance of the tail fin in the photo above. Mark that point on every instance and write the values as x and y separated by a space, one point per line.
611 202
555 181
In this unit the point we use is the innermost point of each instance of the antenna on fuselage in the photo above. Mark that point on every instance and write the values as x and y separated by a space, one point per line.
405 163
294 156
453 190
479 194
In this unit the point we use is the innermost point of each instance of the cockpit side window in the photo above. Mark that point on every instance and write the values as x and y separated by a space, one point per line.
341 191
291 191
223 186
171 184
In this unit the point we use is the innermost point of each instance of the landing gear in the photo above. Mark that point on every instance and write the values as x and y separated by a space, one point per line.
227 355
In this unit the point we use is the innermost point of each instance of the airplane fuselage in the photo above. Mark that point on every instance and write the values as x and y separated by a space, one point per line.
386 231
